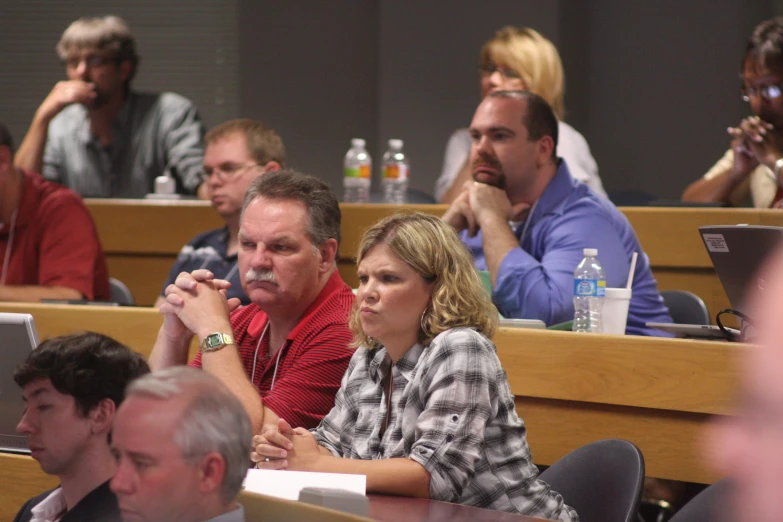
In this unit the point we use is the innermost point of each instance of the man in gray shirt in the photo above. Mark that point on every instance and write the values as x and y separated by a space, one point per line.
96 136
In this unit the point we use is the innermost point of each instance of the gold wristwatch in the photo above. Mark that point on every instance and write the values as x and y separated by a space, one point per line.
216 341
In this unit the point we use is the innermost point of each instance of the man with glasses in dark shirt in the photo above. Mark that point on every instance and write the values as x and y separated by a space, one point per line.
753 166
237 152
98 137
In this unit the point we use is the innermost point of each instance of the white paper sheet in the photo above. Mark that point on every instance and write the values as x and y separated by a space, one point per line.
287 484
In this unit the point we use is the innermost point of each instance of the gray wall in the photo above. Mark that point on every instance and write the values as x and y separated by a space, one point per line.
186 46
428 79
663 84
310 70
651 85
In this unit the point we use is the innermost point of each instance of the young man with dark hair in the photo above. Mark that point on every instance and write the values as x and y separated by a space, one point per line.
73 386
527 221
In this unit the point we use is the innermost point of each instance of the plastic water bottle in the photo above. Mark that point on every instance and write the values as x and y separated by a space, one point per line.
357 173
396 170
589 291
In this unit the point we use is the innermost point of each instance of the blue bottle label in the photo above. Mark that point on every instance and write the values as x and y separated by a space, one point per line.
589 288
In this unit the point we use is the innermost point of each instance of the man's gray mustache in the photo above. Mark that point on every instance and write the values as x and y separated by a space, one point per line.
260 275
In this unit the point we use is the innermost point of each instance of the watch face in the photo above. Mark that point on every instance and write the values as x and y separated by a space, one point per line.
214 339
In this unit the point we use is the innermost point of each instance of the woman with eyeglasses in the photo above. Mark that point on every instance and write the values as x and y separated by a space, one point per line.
424 409
520 58
752 168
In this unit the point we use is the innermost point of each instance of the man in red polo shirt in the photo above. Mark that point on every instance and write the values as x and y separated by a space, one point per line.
49 248
285 354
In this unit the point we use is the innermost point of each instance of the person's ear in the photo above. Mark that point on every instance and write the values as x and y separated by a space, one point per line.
6 158
271 166
212 471
102 416
126 68
545 148
328 253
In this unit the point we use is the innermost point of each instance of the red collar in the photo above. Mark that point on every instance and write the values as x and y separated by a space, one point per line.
332 286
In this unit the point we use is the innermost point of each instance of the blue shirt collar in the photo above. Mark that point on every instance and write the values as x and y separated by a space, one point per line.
554 198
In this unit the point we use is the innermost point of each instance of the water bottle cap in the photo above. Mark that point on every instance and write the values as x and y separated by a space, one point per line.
590 252
395 144
357 142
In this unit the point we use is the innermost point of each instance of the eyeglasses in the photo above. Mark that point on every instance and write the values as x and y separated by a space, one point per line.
768 92
91 61
491 68
227 172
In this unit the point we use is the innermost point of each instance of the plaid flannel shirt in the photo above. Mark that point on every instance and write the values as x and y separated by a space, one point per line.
453 413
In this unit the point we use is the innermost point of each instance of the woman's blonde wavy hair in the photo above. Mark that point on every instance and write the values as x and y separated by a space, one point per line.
535 59
433 249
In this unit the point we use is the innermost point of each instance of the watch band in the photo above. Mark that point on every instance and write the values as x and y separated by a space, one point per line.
216 341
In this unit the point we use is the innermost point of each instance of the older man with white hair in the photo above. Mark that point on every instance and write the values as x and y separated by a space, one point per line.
181 442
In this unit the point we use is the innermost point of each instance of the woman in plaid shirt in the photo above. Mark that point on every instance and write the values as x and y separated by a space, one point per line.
424 409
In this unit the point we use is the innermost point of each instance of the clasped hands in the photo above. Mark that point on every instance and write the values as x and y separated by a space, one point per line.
279 446
479 203
196 304
754 142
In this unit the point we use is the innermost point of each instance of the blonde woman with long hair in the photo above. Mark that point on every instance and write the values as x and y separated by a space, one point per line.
424 409
519 58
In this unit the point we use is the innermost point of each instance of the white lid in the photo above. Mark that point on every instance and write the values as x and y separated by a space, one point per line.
358 143
590 252
395 144
618 293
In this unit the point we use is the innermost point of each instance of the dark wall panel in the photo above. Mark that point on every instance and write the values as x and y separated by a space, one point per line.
428 78
310 70
663 88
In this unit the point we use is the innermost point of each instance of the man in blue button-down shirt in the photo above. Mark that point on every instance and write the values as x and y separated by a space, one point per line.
527 221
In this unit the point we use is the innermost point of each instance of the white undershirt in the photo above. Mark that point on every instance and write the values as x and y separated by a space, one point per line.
50 509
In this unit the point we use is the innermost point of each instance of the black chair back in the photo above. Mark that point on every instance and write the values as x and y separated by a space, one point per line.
686 307
707 506
602 480
120 293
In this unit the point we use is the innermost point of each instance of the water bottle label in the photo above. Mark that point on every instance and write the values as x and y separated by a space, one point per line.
589 288
395 172
357 172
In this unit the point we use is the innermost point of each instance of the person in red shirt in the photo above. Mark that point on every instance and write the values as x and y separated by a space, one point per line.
285 354
49 248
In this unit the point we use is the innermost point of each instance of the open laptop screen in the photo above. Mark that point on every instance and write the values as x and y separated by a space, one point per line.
737 252
17 339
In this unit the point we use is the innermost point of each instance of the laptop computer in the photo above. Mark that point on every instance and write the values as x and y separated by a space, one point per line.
737 252
18 338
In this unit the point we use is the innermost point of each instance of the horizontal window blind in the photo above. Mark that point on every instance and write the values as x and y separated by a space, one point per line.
186 46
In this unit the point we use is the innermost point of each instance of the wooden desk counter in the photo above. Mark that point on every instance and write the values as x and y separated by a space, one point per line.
135 327
570 388
142 238
21 478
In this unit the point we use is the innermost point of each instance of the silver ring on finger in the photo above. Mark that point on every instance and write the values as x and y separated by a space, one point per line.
267 459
